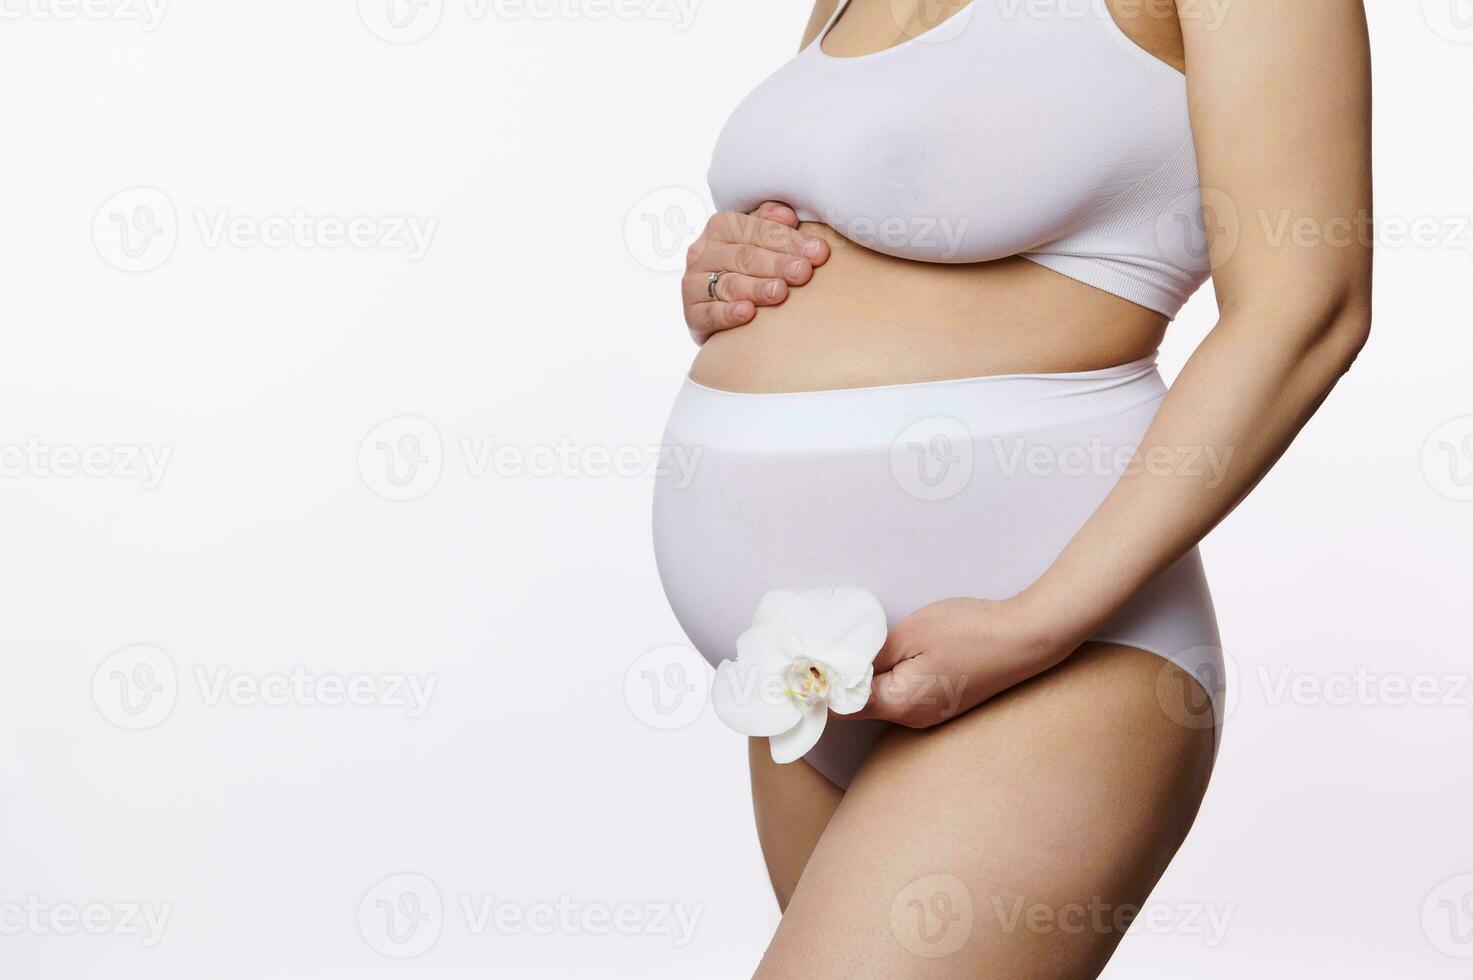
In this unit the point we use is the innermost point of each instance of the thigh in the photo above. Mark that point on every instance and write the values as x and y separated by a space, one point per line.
1008 842
792 804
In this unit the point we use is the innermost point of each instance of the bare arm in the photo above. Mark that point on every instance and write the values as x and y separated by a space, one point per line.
1280 103
1279 94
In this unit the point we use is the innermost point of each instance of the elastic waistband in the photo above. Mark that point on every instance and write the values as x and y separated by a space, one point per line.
863 418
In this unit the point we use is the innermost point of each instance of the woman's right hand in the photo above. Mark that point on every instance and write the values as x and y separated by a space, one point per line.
761 254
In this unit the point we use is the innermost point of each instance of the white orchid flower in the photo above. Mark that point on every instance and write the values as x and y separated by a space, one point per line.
807 653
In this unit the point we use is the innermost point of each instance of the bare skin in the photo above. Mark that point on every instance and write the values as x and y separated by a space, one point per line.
871 319
1063 779
792 805
1037 803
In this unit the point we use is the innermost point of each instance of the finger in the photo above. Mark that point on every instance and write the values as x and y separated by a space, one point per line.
777 211
733 287
705 319
751 260
735 228
812 247
895 649
892 698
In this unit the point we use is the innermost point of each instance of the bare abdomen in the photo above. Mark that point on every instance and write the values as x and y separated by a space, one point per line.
869 319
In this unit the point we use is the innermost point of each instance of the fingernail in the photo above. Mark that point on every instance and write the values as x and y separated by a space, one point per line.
795 268
742 310
812 248
771 290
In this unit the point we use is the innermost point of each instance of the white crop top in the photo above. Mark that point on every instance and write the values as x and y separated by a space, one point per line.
1011 128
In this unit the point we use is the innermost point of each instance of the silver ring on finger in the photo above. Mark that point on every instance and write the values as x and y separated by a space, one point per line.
711 282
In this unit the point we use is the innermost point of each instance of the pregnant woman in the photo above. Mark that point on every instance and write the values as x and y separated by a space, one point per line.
951 237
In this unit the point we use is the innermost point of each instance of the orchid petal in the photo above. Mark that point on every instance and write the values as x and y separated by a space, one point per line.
793 744
843 627
850 694
770 648
752 701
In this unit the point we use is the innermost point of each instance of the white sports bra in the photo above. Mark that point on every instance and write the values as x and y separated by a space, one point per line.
1011 128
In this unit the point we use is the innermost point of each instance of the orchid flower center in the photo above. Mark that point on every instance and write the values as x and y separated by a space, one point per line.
807 682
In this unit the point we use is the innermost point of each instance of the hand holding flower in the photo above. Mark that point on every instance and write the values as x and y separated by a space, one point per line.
948 657
828 650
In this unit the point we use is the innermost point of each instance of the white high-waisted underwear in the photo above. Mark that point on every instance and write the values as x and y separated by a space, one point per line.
915 492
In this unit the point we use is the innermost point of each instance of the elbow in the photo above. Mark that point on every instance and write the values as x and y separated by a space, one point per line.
1344 331
1327 330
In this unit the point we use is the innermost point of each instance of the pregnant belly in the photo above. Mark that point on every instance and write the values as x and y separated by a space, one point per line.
870 319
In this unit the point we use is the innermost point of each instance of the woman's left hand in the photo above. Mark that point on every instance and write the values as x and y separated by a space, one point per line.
948 657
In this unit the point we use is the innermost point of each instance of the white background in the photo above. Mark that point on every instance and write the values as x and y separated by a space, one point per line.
561 159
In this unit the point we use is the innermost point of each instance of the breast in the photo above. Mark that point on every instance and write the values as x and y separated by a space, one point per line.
1009 139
